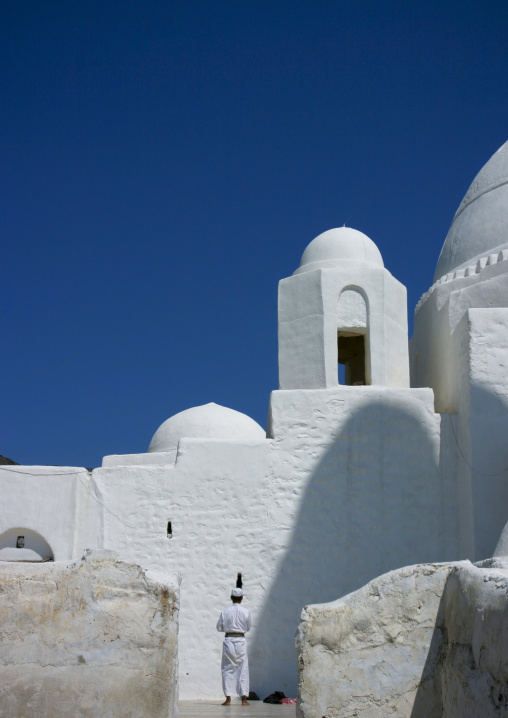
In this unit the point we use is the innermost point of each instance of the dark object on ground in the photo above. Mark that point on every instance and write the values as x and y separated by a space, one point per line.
4 461
253 696
275 697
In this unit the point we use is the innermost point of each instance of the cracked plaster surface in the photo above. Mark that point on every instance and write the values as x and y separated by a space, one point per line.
91 637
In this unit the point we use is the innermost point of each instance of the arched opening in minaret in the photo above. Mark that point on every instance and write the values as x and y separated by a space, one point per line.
352 338
351 355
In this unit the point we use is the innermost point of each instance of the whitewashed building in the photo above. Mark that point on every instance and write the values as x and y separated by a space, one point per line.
349 481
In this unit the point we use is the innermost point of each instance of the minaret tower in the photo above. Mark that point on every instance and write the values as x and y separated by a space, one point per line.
341 306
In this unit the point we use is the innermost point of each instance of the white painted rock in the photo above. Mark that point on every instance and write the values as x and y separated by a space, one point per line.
502 545
426 641
474 674
94 637
364 654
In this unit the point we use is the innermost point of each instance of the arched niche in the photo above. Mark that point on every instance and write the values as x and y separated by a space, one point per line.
353 337
23 544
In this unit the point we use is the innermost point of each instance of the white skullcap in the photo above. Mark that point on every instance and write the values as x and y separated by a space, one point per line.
236 592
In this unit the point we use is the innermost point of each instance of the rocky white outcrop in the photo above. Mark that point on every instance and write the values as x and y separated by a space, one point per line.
364 654
90 637
474 673
426 641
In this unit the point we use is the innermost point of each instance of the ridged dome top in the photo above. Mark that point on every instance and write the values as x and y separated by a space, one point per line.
337 246
210 421
480 225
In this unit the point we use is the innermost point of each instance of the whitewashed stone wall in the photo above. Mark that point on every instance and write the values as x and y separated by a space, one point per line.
488 424
213 496
95 637
57 502
353 470
308 315
461 353
425 641
351 483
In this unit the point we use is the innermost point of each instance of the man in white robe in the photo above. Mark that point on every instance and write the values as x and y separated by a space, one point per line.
234 621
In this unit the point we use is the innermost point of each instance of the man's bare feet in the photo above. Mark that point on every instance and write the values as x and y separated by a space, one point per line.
227 702
245 702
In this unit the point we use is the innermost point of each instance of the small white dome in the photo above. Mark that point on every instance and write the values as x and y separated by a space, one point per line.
480 225
339 245
210 421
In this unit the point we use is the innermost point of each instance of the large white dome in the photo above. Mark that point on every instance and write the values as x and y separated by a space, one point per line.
210 421
336 246
480 225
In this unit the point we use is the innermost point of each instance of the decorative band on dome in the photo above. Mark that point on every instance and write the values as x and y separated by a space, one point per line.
480 224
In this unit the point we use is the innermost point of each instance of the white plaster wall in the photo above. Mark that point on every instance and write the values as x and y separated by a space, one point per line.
351 310
213 497
476 355
356 488
396 332
460 439
55 502
488 351
460 349
94 637
350 484
440 359
308 304
433 350
489 293
154 458
460 518
301 333
433 356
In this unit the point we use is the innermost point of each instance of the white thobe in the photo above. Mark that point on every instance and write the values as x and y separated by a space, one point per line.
235 665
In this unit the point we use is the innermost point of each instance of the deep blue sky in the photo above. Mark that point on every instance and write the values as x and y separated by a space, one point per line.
164 164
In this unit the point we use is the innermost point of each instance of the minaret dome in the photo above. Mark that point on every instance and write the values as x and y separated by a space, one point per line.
339 245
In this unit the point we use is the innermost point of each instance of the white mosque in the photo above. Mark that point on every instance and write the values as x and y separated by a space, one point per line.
403 461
